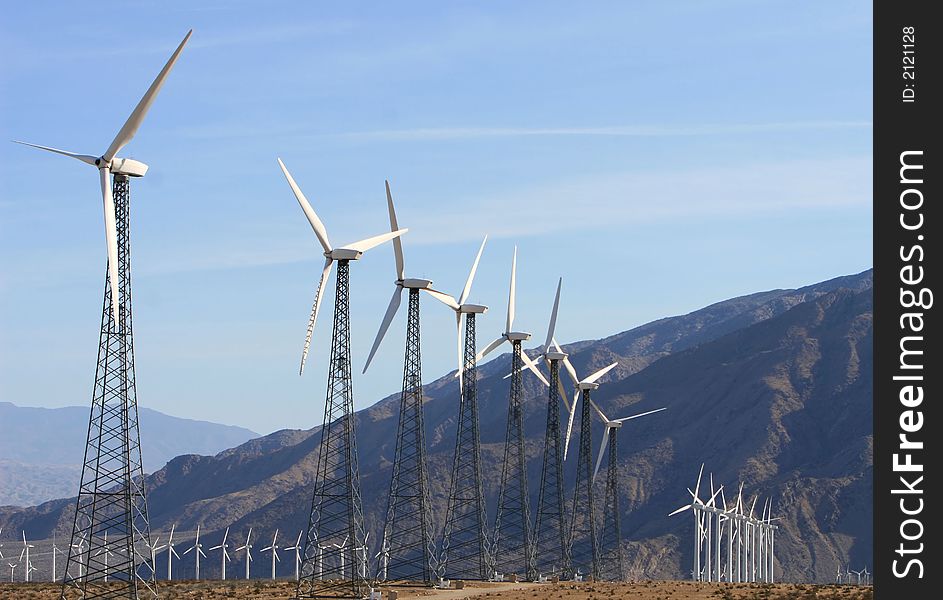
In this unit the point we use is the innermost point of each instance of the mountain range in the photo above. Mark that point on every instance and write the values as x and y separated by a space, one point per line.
41 448
773 390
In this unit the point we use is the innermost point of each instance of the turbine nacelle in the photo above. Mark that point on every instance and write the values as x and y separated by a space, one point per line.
587 385
517 336
478 309
344 254
126 166
554 355
412 283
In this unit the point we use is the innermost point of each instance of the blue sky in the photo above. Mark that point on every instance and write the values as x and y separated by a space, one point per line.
659 156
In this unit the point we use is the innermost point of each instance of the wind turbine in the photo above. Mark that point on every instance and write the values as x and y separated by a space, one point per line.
154 549
550 532
334 514
12 568
464 548
297 549
408 523
697 507
197 549
248 548
25 551
340 550
80 547
274 550
512 526
171 553
109 164
1 545
612 514
110 428
583 489
224 554
105 552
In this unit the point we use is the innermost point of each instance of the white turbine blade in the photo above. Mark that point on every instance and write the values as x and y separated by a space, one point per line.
568 365
372 242
714 497
599 411
318 296
553 316
602 449
85 158
562 389
441 297
140 111
512 292
385 324
533 368
490 347
623 419
225 535
697 488
111 239
569 423
471 274
316 224
397 243
595 376
680 510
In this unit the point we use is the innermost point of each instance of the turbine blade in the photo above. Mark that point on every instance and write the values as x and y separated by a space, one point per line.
397 243
441 297
533 368
697 488
471 274
316 224
385 324
111 239
562 389
372 242
602 448
569 423
595 376
512 292
140 111
490 347
85 158
598 410
318 296
623 419
553 315
568 366
680 510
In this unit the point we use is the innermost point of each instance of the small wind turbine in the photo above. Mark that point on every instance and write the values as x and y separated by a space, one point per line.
198 547
154 548
248 548
12 568
584 387
25 551
225 554
80 547
109 164
344 253
297 549
274 549
105 552
340 550
171 553
55 549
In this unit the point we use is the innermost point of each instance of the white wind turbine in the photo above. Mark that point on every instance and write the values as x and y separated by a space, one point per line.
1 545
225 554
344 253
583 386
80 547
25 551
197 549
297 549
340 551
109 163
274 549
153 547
12 568
697 507
171 553
248 548
105 552
612 426
402 283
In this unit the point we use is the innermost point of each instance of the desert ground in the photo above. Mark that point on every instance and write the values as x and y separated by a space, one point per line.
642 590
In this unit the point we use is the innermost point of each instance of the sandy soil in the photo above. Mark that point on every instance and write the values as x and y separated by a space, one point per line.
644 590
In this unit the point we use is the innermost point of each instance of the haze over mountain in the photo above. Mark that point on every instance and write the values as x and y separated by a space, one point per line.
772 389
41 448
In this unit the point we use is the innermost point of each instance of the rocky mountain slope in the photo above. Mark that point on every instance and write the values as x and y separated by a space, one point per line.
771 389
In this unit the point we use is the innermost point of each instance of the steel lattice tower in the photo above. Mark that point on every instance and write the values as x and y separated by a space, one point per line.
111 525
464 550
513 549
550 547
584 507
613 562
336 509
408 550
